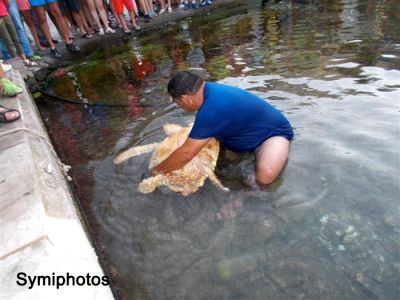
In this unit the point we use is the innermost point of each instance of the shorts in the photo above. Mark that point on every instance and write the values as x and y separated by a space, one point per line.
72 5
285 131
23 5
34 3
119 5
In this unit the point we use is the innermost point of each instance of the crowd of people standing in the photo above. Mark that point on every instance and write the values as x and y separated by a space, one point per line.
72 19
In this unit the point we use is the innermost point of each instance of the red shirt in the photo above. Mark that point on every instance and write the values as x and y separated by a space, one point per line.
3 9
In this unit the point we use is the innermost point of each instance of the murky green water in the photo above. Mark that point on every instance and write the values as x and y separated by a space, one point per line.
328 229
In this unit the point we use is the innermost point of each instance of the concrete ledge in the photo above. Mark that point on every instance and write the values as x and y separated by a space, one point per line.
40 229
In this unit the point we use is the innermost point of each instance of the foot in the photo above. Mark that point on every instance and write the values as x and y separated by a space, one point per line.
8 88
127 31
137 27
170 10
161 11
72 47
110 30
186 6
29 63
147 18
8 115
34 57
101 31
6 67
195 5
87 35
54 53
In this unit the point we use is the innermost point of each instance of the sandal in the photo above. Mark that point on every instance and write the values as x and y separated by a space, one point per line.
8 88
137 27
29 63
3 116
127 31
87 35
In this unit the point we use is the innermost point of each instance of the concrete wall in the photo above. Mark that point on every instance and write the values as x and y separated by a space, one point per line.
40 229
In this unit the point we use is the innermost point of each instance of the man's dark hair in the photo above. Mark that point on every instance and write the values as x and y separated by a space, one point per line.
184 83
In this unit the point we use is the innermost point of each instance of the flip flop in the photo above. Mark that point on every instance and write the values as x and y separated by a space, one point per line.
8 88
4 119
29 63
87 35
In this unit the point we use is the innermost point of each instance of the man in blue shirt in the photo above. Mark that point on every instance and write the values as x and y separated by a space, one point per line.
240 120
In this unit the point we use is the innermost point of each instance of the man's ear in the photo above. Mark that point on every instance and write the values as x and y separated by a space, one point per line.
185 98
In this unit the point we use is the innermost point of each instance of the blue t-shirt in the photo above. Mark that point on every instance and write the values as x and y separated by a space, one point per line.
240 120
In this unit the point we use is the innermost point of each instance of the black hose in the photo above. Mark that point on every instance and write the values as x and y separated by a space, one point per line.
96 104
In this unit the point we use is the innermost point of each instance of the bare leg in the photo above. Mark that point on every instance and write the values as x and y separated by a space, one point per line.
54 9
102 13
41 14
271 158
77 17
133 20
93 11
143 4
87 16
121 19
28 20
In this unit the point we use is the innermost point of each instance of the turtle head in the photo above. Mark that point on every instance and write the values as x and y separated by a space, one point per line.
149 184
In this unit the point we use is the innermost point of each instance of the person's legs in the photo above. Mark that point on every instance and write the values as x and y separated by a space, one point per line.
54 10
271 158
103 16
6 38
119 13
75 8
86 17
93 11
133 20
19 27
13 35
29 21
130 8
44 26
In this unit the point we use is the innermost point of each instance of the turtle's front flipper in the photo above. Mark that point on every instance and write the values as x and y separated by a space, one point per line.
134 151
215 180
149 184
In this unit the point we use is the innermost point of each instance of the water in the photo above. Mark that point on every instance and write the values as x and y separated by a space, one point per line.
329 228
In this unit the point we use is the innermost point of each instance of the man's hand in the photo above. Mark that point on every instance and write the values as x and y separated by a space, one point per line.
181 156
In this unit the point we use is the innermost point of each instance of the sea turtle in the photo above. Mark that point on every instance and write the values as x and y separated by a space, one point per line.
186 180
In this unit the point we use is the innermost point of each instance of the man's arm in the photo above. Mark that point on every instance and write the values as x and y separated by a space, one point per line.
180 156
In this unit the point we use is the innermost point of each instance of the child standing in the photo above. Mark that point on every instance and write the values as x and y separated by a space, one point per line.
119 12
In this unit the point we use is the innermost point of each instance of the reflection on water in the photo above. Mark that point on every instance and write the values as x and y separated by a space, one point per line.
329 228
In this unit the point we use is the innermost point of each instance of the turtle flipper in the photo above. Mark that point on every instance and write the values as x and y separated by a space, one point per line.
134 151
170 129
214 179
149 184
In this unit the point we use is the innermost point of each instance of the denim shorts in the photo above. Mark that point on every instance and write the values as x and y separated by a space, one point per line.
34 3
